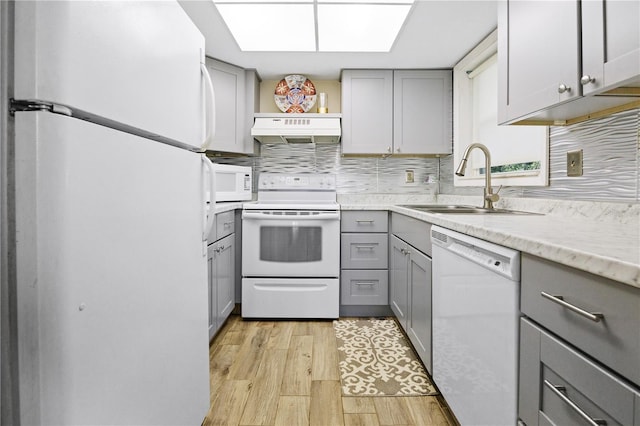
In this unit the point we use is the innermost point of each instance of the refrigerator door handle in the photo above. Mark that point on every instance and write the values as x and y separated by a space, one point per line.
212 200
210 119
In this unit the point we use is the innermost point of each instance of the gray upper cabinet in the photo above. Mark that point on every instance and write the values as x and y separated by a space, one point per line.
229 86
611 46
236 99
367 111
538 51
422 106
396 112
555 57
252 106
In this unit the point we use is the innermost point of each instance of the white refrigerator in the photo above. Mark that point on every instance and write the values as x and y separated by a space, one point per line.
110 208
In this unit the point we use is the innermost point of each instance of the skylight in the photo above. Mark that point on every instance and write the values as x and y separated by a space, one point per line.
314 25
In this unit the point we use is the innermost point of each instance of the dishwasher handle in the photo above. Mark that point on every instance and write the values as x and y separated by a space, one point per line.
501 260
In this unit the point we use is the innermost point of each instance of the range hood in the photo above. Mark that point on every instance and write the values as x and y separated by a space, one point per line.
297 128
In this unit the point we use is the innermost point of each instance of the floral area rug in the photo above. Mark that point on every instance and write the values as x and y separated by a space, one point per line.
376 360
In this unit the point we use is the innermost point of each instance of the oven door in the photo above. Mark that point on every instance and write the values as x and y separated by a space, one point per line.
286 243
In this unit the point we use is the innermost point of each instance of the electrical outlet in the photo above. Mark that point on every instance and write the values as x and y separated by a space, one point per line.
409 176
574 163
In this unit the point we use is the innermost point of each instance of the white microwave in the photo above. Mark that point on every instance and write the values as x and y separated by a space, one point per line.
233 183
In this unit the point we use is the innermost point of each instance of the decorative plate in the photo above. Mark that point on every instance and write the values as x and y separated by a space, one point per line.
295 93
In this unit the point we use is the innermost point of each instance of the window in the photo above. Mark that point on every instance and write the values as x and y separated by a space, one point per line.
519 154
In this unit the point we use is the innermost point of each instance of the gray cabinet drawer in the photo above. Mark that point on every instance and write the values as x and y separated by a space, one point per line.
614 340
412 231
364 221
364 287
225 224
364 251
556 373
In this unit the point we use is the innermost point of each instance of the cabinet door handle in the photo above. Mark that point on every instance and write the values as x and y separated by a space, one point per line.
559 392
593 316
586 79
365 221
563 88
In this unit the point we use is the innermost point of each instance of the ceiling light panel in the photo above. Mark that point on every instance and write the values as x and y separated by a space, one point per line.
363 1
275 27
361 27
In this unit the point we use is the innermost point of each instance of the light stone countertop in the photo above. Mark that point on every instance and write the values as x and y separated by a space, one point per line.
597 237
601 238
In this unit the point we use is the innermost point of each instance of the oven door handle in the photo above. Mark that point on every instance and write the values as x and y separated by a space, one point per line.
329 215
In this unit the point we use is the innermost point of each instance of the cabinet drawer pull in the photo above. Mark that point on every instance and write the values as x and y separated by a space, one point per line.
593 316
227 224
559 392
369 283
365 221
365 247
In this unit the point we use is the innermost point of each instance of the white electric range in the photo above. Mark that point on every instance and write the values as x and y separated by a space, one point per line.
291 248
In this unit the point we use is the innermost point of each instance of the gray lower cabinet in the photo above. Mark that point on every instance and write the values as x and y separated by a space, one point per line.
398 280
562 386
600 317
364 262
213 293
224 264
221 271
410 282
364 287
579 347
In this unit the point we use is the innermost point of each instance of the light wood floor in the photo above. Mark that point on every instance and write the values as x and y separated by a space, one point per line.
286 373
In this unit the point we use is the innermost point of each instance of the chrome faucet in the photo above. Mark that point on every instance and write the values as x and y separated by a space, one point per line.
489 196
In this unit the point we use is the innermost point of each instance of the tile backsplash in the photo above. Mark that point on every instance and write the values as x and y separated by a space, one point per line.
356 175
611 152
611 157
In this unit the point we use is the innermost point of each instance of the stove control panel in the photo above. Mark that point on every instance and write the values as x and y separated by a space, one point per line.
297 182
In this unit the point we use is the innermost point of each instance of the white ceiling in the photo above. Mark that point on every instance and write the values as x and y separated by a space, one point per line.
437 34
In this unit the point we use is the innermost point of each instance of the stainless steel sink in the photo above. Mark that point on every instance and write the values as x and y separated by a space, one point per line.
442 208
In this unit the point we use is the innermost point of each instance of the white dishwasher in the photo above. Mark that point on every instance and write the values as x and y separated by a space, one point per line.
476 287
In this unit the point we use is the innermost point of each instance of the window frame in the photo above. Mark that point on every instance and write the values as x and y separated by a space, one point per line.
475 63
